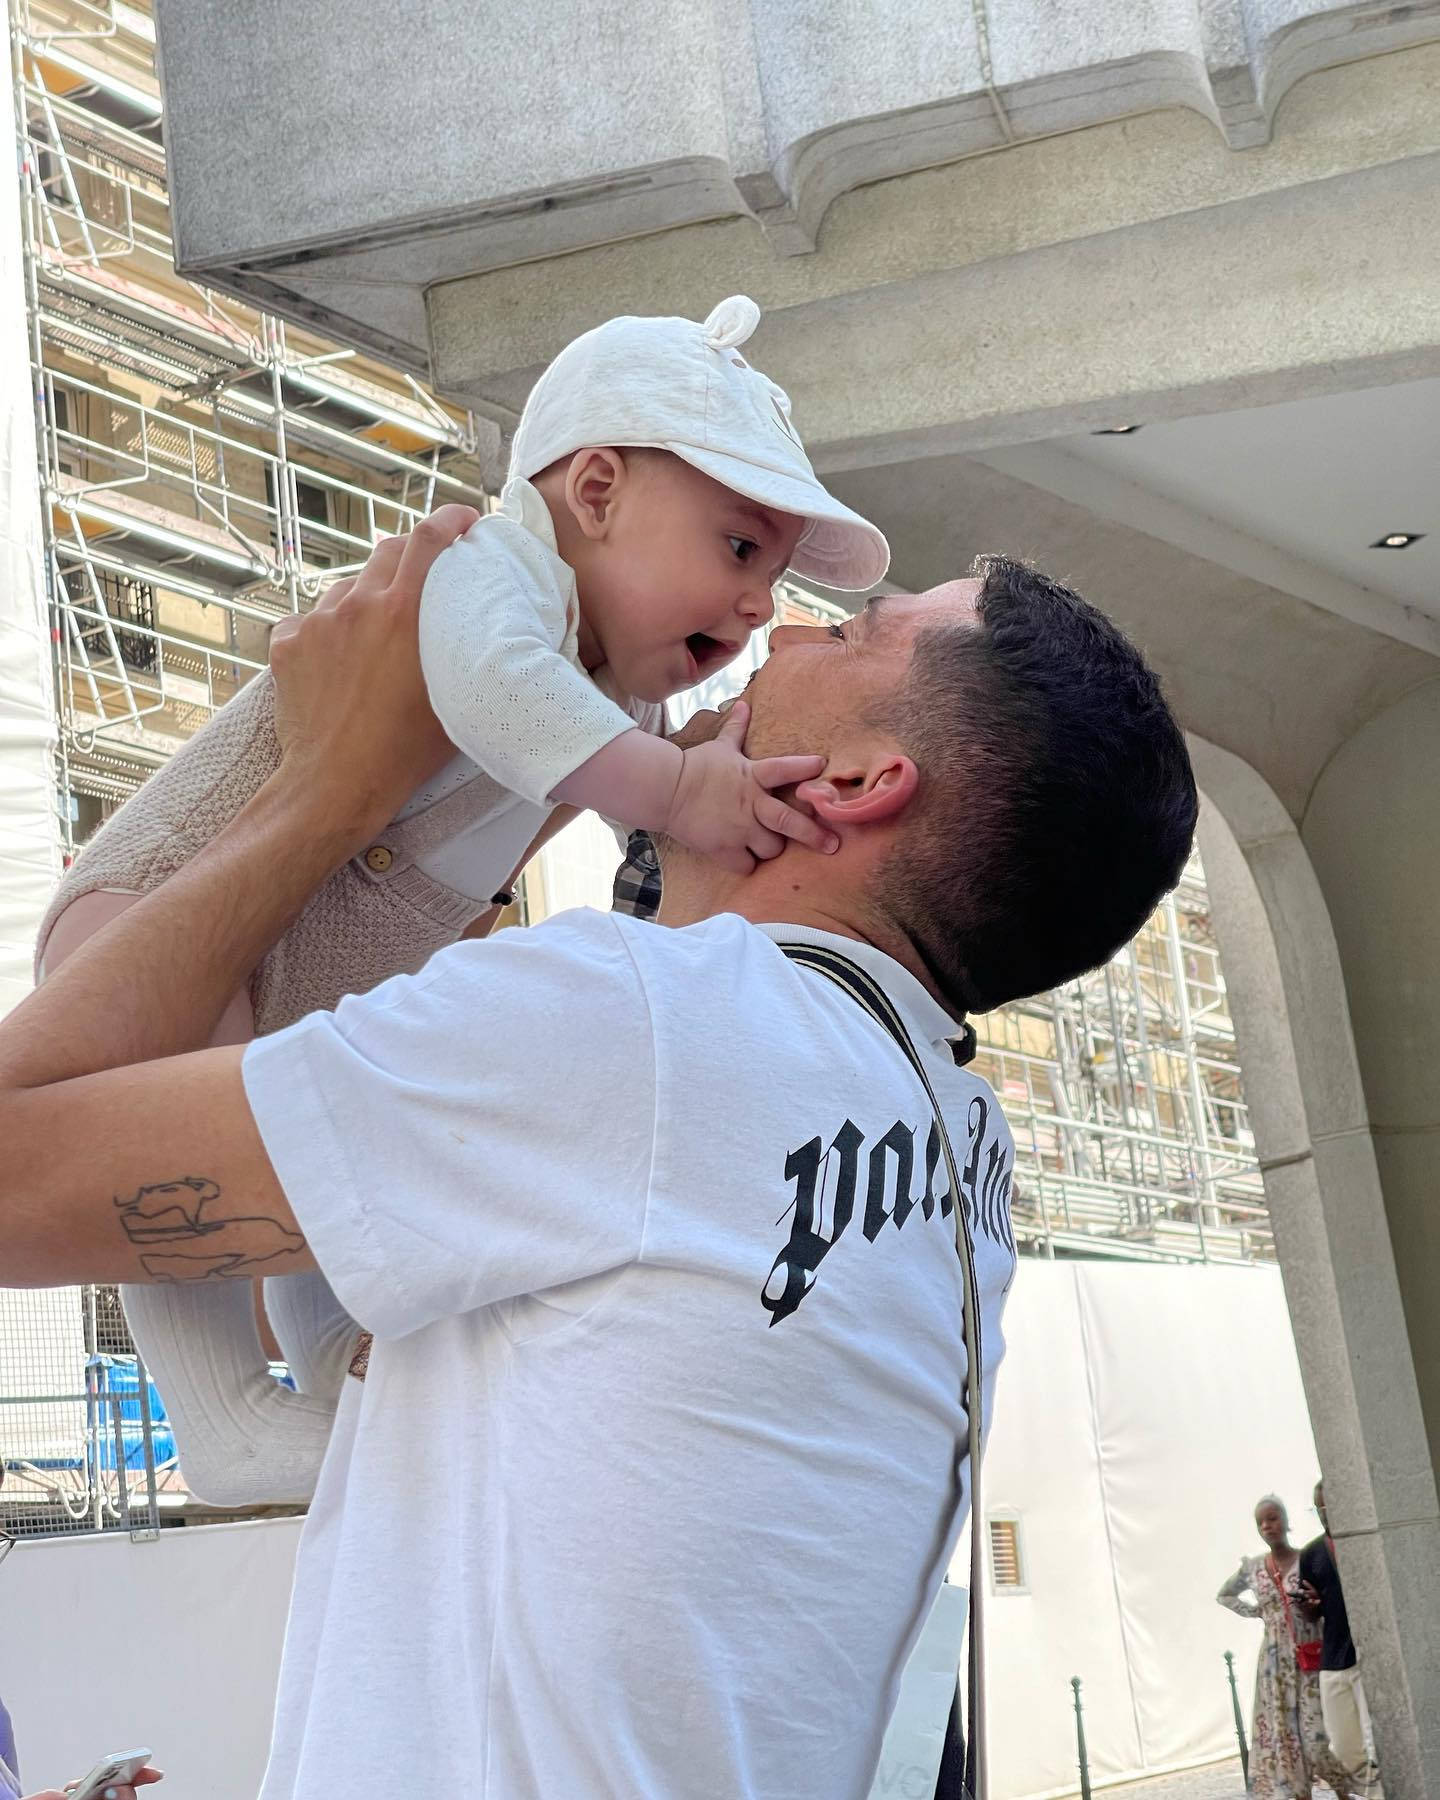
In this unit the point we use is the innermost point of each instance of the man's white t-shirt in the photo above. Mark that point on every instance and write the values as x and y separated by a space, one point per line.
652 1478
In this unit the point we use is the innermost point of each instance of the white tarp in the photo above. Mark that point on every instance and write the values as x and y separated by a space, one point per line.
577 867
29 831
109 1645
1141 1413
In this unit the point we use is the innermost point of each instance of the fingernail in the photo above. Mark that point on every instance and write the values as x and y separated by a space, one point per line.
111 1794
832 844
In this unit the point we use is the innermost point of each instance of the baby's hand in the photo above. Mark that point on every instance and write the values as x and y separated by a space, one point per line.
723 805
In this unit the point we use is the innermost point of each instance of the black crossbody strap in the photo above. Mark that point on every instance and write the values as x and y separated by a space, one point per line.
867 993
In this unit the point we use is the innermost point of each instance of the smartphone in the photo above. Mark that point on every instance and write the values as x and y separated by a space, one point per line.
116 1770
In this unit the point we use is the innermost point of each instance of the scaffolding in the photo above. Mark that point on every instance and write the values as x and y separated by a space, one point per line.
205 470
1123 1091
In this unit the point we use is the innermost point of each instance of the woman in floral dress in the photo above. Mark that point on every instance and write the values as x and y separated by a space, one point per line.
1289 1751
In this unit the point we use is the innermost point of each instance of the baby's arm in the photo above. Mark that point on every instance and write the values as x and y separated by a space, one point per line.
243 1437
492 627
711 796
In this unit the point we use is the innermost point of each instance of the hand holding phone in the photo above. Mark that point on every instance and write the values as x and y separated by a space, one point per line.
116 1770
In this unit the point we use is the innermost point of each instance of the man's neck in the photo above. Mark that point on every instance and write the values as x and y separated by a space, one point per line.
693 889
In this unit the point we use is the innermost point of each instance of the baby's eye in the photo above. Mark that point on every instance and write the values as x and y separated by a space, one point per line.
837 631
743 548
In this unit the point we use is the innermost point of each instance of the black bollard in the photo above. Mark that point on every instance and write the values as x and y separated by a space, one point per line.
1080 1741
1239 1719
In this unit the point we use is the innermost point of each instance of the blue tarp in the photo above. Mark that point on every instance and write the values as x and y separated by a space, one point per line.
119 1377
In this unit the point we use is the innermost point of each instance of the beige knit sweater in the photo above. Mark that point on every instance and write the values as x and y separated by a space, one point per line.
378 916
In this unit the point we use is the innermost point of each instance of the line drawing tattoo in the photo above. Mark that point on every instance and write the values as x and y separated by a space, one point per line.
178 1212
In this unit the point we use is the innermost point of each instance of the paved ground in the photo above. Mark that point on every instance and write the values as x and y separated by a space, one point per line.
1216 1781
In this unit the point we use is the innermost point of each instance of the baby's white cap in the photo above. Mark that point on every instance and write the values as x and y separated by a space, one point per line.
674 385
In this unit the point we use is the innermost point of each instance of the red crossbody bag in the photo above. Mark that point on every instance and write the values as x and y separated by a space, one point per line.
1307 1654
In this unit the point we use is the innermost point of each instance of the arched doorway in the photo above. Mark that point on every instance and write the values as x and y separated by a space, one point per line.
1308 1112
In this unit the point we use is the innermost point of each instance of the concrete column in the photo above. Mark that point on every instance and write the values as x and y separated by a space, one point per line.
1324 1189
29 828
1372 829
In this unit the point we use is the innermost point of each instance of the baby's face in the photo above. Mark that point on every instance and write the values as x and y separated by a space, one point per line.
682 576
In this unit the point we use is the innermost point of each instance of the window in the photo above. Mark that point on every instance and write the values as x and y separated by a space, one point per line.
48 170
127 602
68 453
1007 1563
313 502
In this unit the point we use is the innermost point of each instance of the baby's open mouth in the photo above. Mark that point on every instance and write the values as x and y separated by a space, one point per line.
709 653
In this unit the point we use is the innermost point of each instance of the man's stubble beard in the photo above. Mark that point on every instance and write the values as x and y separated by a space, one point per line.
700 728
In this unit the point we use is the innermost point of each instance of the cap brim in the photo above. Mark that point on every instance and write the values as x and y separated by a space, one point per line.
839 549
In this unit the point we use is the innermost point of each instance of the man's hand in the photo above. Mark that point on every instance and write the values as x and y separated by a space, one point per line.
351 709
723 806
1310 1599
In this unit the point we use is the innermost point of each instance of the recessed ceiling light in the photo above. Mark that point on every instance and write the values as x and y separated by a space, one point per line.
1397 540
1114 431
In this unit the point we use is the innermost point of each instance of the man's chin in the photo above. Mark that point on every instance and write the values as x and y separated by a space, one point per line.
700 727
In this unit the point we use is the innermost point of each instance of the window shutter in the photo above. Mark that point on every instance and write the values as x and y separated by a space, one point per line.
1005 1564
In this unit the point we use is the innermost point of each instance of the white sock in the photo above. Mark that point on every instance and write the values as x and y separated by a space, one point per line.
315 1332
243 1438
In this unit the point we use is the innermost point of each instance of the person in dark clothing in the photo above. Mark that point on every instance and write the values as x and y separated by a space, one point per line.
1342 1696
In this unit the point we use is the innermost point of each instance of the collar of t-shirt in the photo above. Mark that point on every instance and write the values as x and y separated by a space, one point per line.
924 1016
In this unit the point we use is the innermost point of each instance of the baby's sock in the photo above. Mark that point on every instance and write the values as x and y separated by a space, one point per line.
314 1330
243 1438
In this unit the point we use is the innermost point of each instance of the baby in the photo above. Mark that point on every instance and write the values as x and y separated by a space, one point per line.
657 492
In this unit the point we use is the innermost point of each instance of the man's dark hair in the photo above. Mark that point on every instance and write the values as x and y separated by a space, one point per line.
1057 803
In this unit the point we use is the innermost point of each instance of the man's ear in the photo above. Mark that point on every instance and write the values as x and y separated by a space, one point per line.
592 482
855 793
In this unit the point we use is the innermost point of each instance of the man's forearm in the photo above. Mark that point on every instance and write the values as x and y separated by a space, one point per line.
155 981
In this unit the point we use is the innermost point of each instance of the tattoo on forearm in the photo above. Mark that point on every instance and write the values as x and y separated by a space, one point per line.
180 1212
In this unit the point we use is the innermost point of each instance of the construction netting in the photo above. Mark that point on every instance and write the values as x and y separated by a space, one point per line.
84 1441
29 828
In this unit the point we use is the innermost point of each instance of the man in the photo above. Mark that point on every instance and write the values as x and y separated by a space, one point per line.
656 1466
1342 1696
